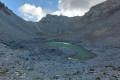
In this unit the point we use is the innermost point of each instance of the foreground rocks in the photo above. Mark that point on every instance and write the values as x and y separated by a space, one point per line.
41 63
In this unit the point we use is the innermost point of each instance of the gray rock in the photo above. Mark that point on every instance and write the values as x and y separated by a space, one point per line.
101 11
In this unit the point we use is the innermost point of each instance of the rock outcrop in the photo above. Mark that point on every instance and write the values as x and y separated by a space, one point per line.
101 11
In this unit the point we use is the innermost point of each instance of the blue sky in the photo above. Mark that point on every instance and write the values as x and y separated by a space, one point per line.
35 10
44 4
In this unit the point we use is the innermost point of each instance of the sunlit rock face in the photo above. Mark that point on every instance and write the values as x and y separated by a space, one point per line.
101 11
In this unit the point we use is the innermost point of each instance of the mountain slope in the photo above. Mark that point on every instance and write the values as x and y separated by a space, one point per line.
12 26
100 25
101 11
104 22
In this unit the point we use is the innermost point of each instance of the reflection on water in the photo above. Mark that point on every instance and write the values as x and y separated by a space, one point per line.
65 43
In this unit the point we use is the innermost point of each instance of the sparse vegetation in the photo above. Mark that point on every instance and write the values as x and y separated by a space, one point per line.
97 78
40 33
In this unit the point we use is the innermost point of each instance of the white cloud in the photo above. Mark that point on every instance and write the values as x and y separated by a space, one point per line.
57 13
71 13
76 7
68 8
32 12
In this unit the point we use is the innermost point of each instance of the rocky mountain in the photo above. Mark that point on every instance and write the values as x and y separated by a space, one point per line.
100 25
53 24
28 52
103 23
12 26
101 11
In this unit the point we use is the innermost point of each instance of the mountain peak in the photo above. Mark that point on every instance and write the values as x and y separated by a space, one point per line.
50 17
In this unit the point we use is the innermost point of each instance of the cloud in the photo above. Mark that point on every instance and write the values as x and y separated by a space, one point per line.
68 8
31 12
56 13
76 7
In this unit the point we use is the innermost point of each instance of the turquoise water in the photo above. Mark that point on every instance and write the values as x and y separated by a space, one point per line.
81 53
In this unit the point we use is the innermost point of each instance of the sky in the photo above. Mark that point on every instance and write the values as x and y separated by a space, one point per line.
35 10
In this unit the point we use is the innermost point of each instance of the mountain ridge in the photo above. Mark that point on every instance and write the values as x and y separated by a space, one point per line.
97 26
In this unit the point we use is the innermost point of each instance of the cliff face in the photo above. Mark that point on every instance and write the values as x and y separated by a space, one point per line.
101 11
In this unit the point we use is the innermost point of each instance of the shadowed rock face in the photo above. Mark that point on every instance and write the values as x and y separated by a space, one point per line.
101 11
